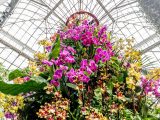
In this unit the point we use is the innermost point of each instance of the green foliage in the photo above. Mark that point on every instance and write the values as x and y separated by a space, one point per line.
36 83
97 99
71 85
3 73
110 87
15 74
55 49
127 114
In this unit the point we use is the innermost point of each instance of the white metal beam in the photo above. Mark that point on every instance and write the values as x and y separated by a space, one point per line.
106 11
118 6
8 11
43 4
15 49
17 41
2 1
150 47
145 41
52 10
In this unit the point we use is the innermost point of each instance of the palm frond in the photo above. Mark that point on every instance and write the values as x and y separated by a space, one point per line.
148 62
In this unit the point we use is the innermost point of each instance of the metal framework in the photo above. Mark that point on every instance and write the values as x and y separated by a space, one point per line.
151 47
43 4
145 41
24 22
106 11
8 11
15 49
52 10
17 41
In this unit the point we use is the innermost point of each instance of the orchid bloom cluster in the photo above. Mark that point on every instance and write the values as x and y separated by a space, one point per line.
87 35
79 74
154 74
134 75
10 105
65 56
57 109
92 114
151 86
151 82
95 116
21 80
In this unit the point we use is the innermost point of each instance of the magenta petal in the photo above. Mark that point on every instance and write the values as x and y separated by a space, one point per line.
26 78
93 66
55 83
46 62
99 50
58 74
96 58
48 48
89 71
62 67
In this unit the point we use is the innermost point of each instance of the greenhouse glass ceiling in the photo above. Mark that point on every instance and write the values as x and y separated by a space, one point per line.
24 22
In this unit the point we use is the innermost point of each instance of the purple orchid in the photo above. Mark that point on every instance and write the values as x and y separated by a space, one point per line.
62 67
83 64
70 59
89 68
82 77
97 58
92 65
64 53
55 82
102 31
152 86
72 50
9 115
71 75
48 48
58 74
27 78
102 55
58 62
46 62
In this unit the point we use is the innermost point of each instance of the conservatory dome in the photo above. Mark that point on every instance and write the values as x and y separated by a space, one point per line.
25 22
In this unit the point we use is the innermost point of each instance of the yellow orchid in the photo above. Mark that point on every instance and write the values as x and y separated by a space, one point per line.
154 74
10 103
1 114
40 56
45 43
18 80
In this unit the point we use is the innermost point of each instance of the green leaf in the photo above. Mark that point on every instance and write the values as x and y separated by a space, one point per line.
98 94
138 89
110 87
36 83
38 79
121 78
109 35
71 85
151 118
44 75
15 74
55 49
115 66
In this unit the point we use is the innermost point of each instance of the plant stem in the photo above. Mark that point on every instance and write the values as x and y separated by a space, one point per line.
72 115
